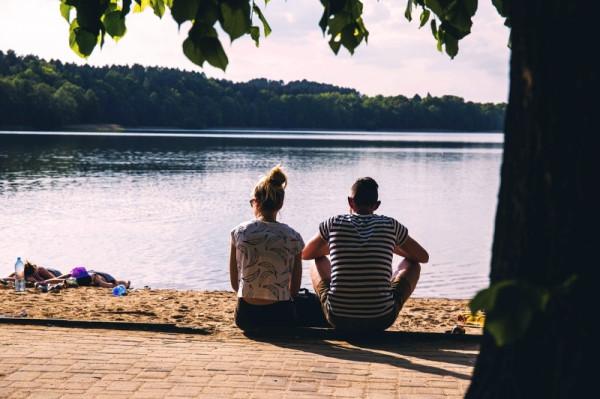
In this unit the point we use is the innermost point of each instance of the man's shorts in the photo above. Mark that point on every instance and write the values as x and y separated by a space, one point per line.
401 290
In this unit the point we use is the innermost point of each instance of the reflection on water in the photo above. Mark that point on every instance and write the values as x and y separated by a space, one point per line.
159 211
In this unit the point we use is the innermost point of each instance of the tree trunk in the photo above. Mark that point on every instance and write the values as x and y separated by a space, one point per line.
547 210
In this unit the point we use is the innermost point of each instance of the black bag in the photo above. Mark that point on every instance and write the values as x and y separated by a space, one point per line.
308 309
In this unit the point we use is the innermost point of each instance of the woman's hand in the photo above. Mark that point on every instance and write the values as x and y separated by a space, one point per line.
233 269
296 278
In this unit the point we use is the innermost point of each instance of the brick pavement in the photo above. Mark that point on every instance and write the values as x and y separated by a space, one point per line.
51 362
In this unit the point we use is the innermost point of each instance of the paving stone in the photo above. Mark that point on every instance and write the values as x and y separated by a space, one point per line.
44 395
23 376
154 365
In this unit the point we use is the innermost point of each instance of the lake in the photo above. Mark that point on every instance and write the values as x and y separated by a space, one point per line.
156 206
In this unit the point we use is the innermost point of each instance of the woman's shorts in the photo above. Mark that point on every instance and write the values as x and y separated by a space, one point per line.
84 281
255 317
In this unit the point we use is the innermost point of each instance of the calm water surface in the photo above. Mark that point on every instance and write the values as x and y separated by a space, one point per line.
158 208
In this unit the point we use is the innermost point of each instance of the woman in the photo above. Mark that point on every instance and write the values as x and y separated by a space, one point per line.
34 274
265 265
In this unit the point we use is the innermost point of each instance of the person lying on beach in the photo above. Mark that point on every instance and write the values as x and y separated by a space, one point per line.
265 265
34 274
90 278
357 288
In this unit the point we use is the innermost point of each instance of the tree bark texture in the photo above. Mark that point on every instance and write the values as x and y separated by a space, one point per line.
546 221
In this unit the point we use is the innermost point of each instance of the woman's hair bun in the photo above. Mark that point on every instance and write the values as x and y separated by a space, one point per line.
276 177
270 190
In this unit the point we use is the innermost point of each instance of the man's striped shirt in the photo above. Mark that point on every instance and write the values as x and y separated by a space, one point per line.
361 251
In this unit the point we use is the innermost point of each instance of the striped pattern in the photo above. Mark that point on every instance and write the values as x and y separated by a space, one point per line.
361 250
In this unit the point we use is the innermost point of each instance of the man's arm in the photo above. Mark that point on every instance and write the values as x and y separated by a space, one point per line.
233 270
412 250
315 248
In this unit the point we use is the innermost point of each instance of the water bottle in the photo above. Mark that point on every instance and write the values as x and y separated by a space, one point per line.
19 276
119 290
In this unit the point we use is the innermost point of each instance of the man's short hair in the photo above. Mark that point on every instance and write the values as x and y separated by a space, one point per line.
364 191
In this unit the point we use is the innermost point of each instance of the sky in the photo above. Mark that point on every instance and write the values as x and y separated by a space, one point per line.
399 59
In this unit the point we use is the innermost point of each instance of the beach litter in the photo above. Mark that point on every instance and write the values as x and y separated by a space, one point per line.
472 319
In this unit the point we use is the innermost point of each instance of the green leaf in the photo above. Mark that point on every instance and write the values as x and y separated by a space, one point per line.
460 21
470 6
349 39
484 300
510 307
141 5
81 41
208 13
65 11
236 21
503 7
266 26
89 15
159 7
362 29
408 12
184 10
323 20
202 44
440 40
424 17
339 22
114 22
255 34
111 7
500 6
451 45
436 7
126 7
335 46
434 30
356 9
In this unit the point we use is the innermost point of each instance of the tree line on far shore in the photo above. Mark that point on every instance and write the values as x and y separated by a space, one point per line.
50 94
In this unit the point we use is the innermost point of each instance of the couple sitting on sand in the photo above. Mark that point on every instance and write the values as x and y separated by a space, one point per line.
356 286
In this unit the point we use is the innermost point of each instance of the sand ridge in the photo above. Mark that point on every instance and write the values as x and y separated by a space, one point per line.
211 310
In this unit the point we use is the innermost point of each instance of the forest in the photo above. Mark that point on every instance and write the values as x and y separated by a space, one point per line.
40 94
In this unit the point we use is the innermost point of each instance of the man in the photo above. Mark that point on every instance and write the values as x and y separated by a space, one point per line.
357 288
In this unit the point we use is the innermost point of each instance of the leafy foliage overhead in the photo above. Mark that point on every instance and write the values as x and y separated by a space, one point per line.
91 20
37 93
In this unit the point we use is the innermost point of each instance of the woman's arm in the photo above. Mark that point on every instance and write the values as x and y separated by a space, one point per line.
296 279
315 248
58 279
233 269
412 250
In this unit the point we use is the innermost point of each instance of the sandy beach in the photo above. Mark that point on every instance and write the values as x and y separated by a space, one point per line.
212 310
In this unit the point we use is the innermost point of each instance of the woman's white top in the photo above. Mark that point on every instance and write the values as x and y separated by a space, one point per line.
265 253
